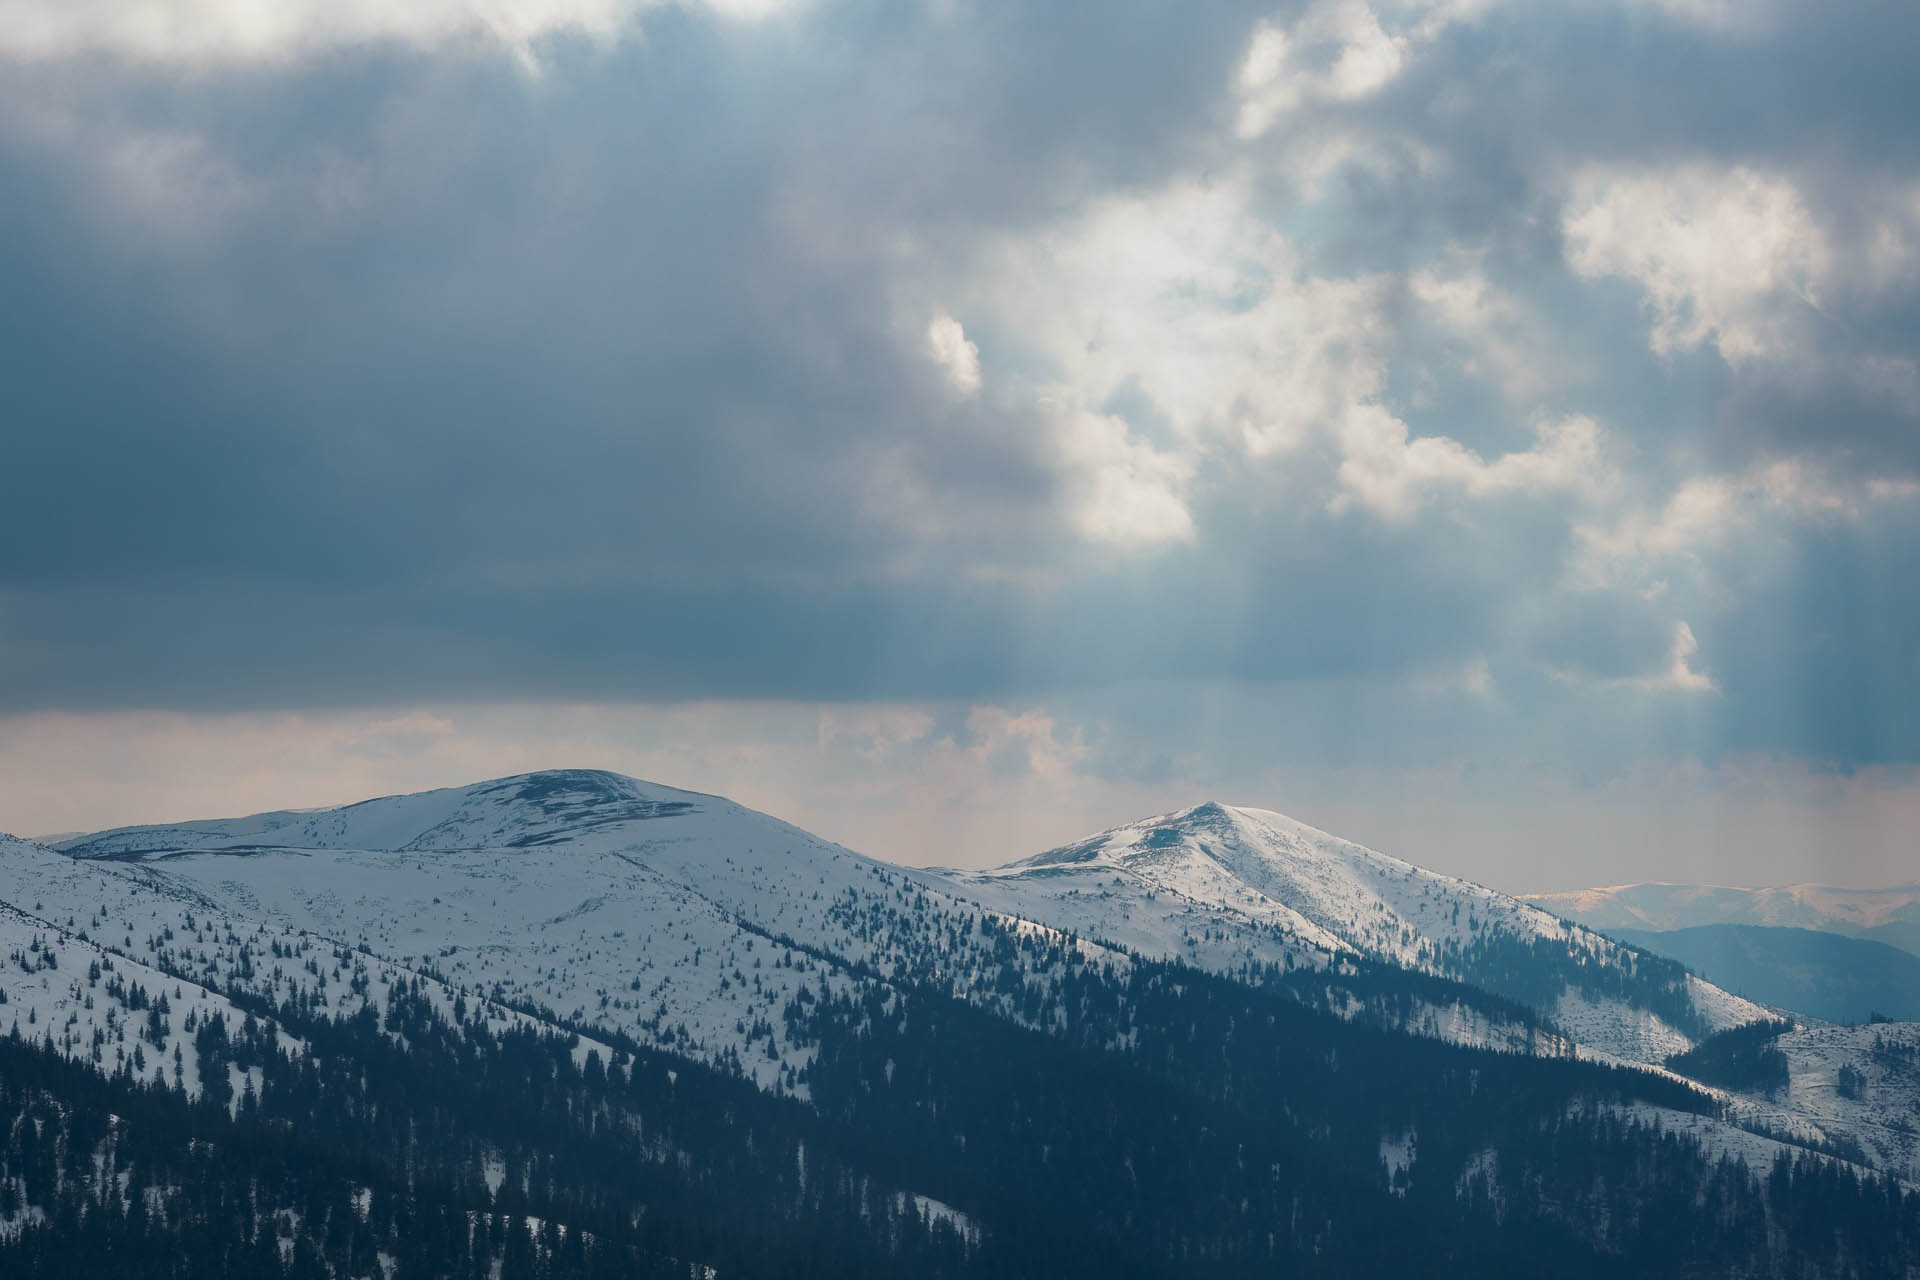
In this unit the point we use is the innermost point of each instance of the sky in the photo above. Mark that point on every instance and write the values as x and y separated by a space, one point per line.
1488 430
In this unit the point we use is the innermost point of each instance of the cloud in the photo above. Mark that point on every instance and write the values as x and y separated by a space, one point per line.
1336 51
201 32
1503 339
1182 298
1707 513
1679 676
1729 256
972 357
1020 743
1386 472
947 343
1127 491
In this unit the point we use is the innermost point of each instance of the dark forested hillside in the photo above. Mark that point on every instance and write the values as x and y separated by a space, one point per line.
1169 1123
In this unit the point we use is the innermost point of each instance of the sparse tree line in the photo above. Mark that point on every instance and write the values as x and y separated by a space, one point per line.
1150 1120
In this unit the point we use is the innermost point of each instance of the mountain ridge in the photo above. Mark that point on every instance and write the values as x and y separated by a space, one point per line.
1259 886
1890 915
639 914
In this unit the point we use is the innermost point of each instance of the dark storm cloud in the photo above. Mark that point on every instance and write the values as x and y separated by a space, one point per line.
627 310
1334 606
388 374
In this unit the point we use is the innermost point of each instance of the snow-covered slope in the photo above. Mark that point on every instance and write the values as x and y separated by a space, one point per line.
1217 886
528 810
674 918
1859 1087
1254 860
121 968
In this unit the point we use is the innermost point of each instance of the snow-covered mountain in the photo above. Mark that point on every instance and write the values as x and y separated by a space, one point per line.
1888 915
1221 887
606 899
1217 886
1343 895
639 914
675 918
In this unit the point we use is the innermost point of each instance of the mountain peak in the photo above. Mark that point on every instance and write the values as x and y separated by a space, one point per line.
1207 809
543 807
1161 831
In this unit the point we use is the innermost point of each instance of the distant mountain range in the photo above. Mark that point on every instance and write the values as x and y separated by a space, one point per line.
1891 915
571 1023
1824 975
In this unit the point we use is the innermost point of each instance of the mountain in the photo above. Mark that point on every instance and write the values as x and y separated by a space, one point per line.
1826 975
1212 884
555 891
570 1024
667 916
1891 916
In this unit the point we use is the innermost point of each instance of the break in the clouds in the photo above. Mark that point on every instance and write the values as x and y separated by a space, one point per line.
1463 381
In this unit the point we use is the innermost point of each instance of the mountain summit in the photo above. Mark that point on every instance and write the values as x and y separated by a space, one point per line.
1373 903
549 807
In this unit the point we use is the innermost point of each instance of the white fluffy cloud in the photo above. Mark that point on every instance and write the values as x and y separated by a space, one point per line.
1187 299
1165 326
1337 51
950 348
1728 256
203 31
1387 472
1123 490
1175 326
